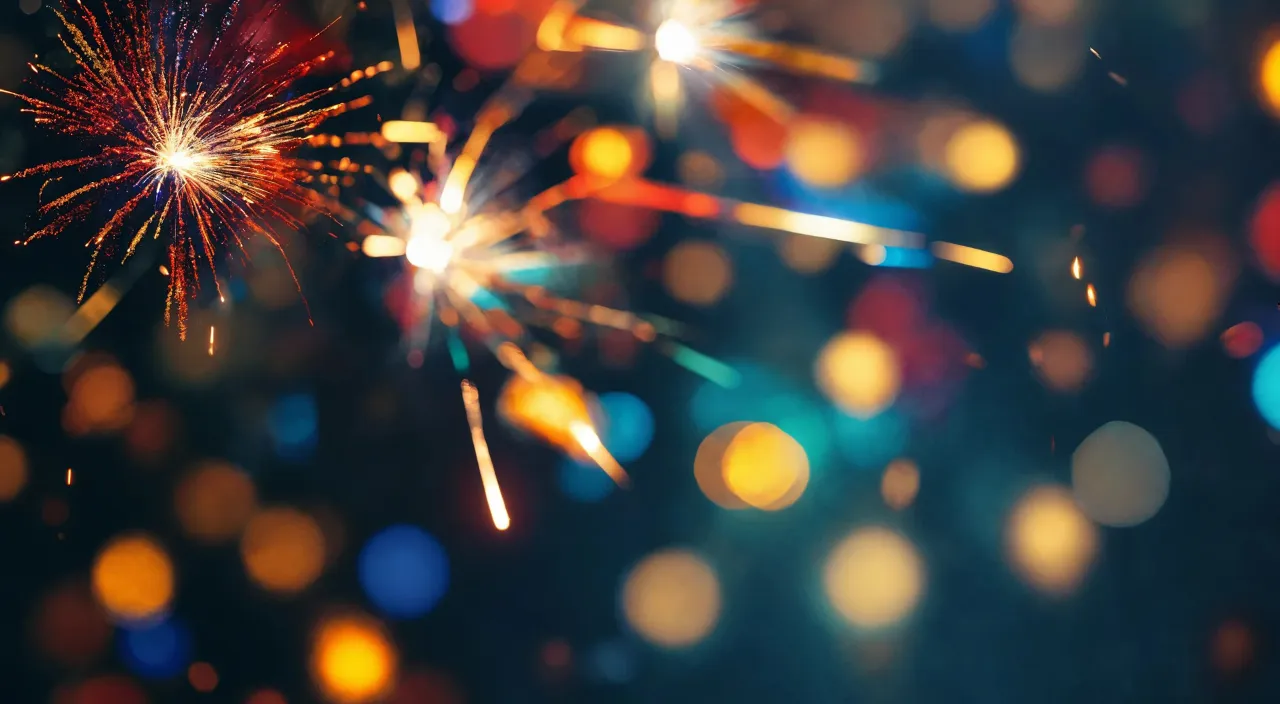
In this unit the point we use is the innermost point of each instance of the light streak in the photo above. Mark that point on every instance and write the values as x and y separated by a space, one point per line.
970 256
1076 270
1091 294
492 491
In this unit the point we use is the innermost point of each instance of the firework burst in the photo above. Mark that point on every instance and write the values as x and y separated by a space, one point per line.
189 122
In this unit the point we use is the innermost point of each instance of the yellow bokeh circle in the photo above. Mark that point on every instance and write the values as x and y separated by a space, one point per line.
283 550
352 660
874 578
606 153
672 599
133 578
1269 77
698 273
982 157
824 153
765 468
1051 542
859 372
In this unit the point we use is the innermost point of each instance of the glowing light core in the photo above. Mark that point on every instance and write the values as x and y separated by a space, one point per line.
676 43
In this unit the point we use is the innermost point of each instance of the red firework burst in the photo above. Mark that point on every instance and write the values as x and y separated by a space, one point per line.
188 126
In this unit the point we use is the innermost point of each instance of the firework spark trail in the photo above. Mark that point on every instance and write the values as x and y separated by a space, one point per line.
192 130
492 491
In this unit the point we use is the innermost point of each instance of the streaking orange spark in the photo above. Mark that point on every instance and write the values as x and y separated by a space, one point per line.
187 123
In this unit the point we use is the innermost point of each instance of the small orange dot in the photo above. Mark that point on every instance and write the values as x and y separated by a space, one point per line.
203 677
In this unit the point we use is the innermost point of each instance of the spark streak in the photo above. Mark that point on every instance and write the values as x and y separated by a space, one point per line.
492 491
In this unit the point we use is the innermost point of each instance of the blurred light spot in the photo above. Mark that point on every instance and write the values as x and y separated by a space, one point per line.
30 7
1047 59
1266 387
672 599
1051 543
293 425
156 651
606 152
900 483
809 255
674 42
982 157
627 425
546 406
404 571
1062 360
352 660
823 153
133 578
102 400
1116 177
584 482
697 272
152 432
426 687
1120 475
106 689
959 15
708 466
6 373
1049 12
859 373
191 364
451 11
871 442
69 627
203 677
1178 291
1269 78
1242 340
36 316
765 468
874 577
1231 650
214 501
13 468
266 696
283 550
1264 232
700 170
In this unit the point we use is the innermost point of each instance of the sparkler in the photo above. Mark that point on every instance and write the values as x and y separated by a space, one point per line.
712 38
188 122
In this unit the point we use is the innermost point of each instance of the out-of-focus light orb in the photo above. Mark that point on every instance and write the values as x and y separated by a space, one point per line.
1266 387
809 255
156 651
404 571
1051 542
1047 59
69 627
426 687
283 550
1178 291
1049 12
765 468
900 483
352 660
982 157
1269 78
1062 360
133 578
700 170
874 578
1264 232
35 316
215 501
708 466
959 15
672 599
606 152
106 689
859 372
1119 475
1232 647
266 696
203 677
101 399
6 373
452 11
584 482
1115 177
13 468
676 43
294 426
824 152
698 273
403 185
1242 339
627 427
